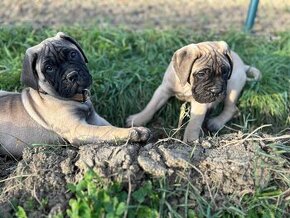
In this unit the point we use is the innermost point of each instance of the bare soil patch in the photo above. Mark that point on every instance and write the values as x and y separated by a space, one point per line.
196 15
231 164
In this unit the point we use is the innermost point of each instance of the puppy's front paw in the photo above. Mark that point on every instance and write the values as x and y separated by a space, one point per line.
130 121
214 124
190 137
135 120
140 134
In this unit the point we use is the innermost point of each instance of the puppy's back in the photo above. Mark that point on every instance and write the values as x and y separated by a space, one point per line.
17 128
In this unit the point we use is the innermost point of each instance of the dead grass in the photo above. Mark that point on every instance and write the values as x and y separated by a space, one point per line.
195 15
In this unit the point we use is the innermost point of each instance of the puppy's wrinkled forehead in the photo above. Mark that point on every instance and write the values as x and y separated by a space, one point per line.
218 46
57 47
212 58
212 55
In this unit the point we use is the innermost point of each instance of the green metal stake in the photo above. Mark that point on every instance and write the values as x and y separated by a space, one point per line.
252 11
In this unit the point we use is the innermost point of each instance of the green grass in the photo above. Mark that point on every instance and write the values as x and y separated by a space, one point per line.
97 198
127 67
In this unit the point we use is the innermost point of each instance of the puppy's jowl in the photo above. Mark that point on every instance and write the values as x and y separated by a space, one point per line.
55 108
203 74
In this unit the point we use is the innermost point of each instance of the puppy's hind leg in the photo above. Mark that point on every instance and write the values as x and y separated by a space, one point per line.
160 97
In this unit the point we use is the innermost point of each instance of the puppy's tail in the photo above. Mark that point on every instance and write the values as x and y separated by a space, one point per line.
253 74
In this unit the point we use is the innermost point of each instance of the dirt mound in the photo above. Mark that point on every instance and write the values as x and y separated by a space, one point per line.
230 164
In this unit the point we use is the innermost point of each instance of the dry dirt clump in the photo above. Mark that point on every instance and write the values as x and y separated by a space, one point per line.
228 164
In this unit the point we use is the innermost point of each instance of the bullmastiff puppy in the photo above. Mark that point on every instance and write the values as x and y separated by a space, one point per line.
55 106
203 74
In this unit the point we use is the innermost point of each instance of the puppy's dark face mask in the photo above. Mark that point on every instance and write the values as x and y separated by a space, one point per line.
64 68
56 66
206 67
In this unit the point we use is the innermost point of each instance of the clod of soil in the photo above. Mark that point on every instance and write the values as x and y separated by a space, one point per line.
230 164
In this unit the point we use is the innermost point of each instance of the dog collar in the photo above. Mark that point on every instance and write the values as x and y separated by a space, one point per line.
80 97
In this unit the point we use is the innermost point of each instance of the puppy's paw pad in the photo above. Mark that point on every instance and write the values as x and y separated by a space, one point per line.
140 134
214 125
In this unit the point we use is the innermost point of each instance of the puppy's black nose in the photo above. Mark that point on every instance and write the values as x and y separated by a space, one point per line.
72 76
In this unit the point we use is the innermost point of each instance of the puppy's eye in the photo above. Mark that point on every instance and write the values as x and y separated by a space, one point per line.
225 71
200 74
73 54
49 69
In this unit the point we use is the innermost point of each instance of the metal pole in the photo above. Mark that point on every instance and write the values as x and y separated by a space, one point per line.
252 11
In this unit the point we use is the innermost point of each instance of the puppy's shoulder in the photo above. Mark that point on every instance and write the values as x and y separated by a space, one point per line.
170 78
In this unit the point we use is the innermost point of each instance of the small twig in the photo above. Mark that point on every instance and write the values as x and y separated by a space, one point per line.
182 114
35 195
248 136
15 177
129 194
261 127
168 139
10 154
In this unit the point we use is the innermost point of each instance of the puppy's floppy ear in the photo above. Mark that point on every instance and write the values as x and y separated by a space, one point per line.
29 77
73 41
227 53
183 60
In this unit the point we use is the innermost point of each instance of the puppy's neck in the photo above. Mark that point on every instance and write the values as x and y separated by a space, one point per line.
80 97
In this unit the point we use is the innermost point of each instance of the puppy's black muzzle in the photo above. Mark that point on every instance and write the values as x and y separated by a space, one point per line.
216 91
80 77
210 93
73 76
75 79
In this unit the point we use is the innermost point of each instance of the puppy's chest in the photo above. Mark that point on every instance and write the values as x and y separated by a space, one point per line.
84 110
